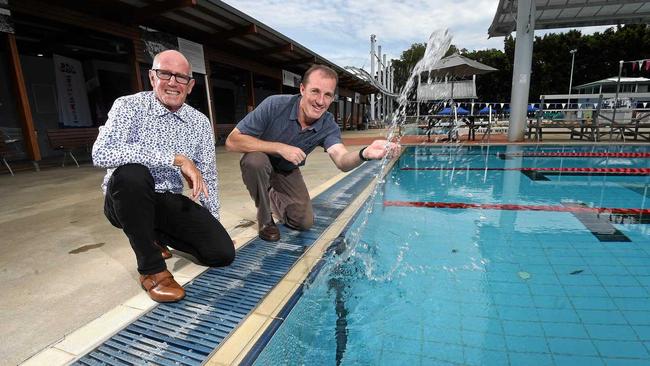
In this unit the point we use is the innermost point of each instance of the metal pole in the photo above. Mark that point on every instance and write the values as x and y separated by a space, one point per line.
618 85
384 103
521 69
372 74
380 79
573 57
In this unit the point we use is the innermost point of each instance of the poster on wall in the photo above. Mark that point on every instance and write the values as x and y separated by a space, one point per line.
291 79
194 53
74 110
156 42
6 24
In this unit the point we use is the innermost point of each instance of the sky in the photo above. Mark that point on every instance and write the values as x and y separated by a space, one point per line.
340 30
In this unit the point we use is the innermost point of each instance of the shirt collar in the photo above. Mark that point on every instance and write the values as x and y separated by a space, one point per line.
316 126
159 110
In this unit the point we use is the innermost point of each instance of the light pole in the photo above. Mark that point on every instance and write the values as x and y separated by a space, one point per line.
573 58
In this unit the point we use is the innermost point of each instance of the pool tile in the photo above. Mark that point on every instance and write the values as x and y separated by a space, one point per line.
483 357
604 270
451 336
565 330
398 358
633 304
572 346
441 352
644 281
518 313
621 349
634 261
586 291
528 359
546 290
526 344
601 316
637 317
513 300
618 280
566 360
643 332
628 291
483 325
578 280
491 341
519 328
626 362
535 269
593 303
544 279
643 270
508 287
611 332
557 315
392 343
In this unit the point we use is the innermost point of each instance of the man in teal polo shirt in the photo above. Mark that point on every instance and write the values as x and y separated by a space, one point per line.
276 138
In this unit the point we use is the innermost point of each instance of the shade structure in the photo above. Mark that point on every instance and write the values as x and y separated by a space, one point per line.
485 110
448 111
460 66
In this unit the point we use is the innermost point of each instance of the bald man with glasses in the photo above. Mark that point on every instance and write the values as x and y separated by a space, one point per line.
149 144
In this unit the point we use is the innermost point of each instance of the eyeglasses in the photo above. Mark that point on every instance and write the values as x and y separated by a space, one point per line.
166 75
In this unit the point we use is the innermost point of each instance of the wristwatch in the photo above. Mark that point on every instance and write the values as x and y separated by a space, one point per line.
361 155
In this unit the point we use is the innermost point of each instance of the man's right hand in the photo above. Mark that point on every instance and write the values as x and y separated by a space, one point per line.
192 175
292 154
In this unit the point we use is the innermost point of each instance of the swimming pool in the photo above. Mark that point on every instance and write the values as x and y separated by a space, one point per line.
487 256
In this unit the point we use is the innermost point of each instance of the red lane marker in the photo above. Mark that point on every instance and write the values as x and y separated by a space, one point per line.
515 207
585 154
631 171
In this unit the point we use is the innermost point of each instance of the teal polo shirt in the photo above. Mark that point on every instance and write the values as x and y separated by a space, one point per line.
276 120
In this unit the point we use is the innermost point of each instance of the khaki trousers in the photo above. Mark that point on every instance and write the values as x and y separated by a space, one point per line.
274 191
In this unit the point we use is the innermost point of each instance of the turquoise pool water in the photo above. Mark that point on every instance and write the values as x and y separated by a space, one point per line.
487 256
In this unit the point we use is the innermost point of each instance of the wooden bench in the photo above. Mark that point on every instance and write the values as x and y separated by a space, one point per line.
222 131
70 139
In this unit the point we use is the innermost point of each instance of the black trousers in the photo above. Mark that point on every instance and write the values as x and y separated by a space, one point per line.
144 215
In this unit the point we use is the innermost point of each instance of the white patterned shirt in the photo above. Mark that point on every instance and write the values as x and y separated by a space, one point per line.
141 130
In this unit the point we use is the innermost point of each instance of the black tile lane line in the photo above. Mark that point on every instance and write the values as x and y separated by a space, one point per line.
599 225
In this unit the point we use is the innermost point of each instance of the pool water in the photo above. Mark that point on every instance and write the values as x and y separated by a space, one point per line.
501 255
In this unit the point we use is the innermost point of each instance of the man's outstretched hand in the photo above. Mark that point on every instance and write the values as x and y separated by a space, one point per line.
380 148
192 175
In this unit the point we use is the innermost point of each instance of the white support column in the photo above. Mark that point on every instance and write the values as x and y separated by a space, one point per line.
384 104
380 78
390 88
372 74
521 69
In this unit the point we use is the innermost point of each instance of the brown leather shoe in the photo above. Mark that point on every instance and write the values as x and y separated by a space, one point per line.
162 287
270 232
166 254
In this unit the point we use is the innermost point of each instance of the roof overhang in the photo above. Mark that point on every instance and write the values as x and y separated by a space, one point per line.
552 14
219 26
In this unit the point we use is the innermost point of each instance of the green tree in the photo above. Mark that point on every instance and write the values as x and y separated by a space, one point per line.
405 64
